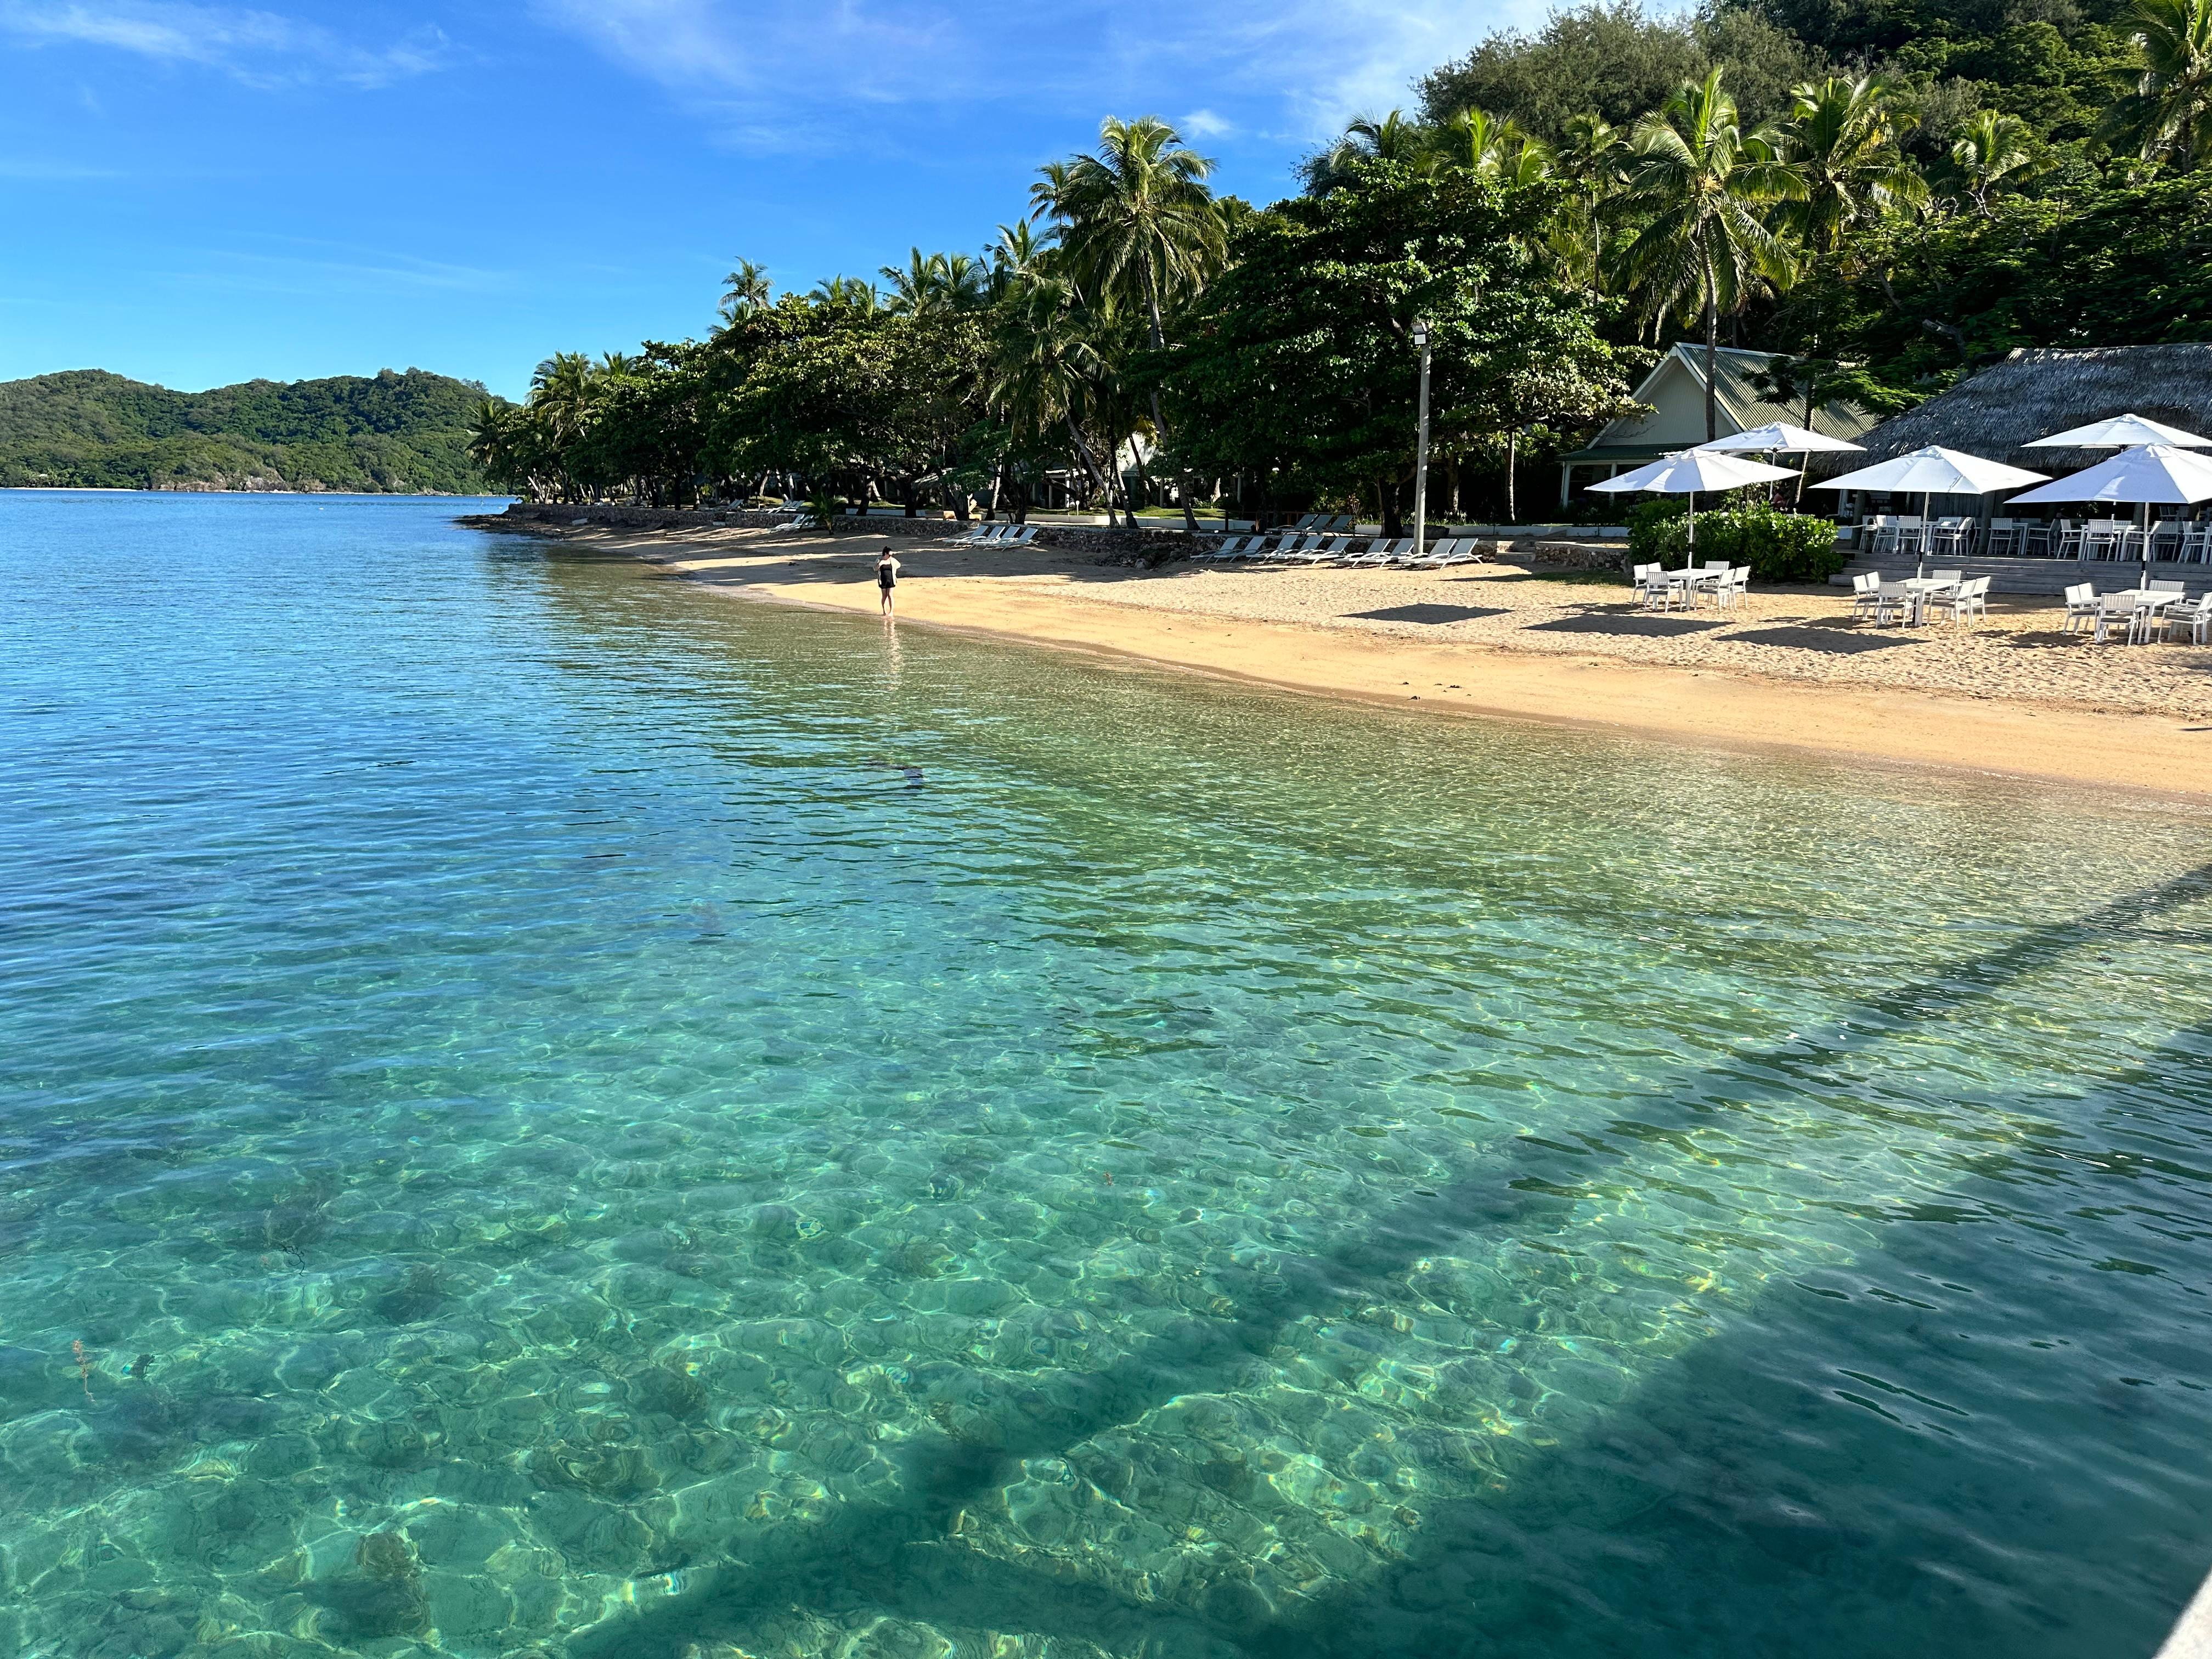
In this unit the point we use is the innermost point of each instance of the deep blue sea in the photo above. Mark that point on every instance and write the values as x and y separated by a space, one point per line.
545 1112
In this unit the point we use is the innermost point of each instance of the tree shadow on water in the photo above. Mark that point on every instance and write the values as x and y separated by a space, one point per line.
1727 1466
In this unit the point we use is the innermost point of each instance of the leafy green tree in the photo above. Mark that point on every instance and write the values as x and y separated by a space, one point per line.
1927 298
1703 245
1620 62
1298 364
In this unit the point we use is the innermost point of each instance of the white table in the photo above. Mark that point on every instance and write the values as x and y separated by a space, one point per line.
1690 579
1917 591
2145 604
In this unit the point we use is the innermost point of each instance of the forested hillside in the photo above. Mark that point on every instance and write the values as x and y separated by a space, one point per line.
387 432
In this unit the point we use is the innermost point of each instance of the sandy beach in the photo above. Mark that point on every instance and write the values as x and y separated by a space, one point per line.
1789 667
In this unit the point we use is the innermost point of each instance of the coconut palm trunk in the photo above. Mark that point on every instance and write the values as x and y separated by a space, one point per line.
1712 353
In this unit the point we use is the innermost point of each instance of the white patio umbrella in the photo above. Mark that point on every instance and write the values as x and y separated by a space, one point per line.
1689 471
2121 432
2157 473
1935 471
1780 438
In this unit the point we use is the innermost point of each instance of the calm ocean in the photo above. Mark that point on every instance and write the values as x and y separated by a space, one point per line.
547 1113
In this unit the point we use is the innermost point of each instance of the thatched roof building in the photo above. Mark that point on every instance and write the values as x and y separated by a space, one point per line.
2033 393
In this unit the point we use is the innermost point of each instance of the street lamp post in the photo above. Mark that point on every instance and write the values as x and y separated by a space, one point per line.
1421 456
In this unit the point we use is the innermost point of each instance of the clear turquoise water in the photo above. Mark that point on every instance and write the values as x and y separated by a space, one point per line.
574 1117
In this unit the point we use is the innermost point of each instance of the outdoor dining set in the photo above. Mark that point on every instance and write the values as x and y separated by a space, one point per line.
1662 589
2168 541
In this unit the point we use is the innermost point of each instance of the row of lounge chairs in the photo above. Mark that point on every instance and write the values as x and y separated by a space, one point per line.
1292 547
995 535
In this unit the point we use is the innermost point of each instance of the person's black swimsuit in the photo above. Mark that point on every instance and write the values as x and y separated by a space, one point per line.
886 577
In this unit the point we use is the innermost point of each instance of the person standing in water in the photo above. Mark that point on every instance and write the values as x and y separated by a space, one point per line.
887 576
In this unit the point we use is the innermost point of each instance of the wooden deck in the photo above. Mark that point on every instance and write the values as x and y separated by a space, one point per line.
2051 576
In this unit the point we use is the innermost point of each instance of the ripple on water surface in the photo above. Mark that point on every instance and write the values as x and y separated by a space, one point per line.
547 1113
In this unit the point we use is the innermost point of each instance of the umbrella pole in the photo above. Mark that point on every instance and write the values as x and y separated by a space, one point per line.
1926 501
2146 536
1693 521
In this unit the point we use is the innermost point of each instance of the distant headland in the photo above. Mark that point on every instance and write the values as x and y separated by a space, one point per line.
389 432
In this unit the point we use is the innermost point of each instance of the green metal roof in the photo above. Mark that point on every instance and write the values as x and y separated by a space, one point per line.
1738 406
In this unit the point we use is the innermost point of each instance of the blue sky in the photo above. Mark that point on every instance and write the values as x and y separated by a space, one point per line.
202 193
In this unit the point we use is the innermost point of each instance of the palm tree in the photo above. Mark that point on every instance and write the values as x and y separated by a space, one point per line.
1992 151
746 290
1139 225
854 294
1843 137
930 284
1046 369
561 391
1393 138
1698 183
2169 115
1492 147
1590 159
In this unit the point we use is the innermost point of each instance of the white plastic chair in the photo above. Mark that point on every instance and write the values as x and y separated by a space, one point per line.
2194 619
2113 608
1967 600
1866 594
2082 605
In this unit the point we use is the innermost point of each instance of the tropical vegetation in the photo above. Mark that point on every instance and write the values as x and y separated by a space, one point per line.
386 433
1879 195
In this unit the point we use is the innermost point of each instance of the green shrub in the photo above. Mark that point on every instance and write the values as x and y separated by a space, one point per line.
1779 547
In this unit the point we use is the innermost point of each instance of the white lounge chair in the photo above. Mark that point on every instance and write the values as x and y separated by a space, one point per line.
1460 549
1379 552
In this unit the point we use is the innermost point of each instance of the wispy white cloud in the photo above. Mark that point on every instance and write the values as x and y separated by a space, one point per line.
260 47
304 266
771 75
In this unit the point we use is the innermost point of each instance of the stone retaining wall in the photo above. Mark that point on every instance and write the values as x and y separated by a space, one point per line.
1567 555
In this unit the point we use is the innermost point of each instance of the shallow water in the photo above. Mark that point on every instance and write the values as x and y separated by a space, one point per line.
571 1116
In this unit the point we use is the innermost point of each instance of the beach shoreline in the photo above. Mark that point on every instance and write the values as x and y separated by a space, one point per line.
1255 626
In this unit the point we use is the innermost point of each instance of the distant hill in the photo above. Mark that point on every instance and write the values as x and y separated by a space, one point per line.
389 432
